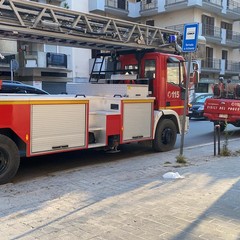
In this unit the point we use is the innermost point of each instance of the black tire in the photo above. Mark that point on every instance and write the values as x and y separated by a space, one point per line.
165 136
9 159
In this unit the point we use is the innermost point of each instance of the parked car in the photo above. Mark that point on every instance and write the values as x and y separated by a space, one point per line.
19 88
197 106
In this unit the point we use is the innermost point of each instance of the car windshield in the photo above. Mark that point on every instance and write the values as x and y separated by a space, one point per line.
202 98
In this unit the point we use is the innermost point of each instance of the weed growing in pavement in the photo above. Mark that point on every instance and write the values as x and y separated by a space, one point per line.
225 150
181 159
167 162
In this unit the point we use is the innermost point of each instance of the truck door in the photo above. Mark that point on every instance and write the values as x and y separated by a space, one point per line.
175 87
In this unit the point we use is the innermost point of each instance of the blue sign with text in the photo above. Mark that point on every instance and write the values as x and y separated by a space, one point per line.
190 37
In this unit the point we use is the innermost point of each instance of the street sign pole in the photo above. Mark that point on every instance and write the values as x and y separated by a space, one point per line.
190 38
13 67
185 103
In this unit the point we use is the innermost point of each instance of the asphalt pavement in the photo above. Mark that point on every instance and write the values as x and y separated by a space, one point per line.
130 199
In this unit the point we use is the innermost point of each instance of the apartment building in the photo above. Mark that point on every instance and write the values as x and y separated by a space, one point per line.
218 23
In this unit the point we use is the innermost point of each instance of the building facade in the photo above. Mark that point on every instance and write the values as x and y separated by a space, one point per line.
218 23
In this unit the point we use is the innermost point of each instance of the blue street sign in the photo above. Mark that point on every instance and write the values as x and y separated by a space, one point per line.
190 37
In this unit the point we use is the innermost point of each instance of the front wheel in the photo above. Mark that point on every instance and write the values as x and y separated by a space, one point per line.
165 136
9 159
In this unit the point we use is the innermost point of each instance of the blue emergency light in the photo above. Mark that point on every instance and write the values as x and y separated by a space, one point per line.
172 39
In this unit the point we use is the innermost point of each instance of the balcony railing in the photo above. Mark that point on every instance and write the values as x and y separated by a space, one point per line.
179 27
214 2
233 6
120 4
211 64
149 4
233 36
211 31
232 66
172 2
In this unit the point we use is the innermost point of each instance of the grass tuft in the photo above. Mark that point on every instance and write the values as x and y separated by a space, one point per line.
181 159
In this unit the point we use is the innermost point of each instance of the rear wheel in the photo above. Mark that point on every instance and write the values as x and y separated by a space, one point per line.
9 159
165 136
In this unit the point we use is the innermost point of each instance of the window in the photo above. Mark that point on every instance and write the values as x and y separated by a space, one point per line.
209 57
150 73
150 69
228 27
122 4
175 73
150 22
148 1
208 25
225 57
56 59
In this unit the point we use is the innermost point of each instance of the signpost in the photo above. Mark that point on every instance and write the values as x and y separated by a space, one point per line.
190 39
13 66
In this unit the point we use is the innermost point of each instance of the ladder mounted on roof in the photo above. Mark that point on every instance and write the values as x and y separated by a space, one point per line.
43 23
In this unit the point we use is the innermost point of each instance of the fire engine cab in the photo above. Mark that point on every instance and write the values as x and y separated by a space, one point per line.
138 98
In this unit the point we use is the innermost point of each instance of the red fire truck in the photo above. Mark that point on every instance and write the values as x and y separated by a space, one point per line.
224 107
138 97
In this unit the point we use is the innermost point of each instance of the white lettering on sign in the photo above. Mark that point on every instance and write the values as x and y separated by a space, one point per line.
235 104
190 33
173 94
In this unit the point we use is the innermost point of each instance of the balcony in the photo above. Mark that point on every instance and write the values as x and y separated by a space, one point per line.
230 38
149 7
220 66
115 7
211 33
179 27
173 5
211 65
214 6
233 10
231 67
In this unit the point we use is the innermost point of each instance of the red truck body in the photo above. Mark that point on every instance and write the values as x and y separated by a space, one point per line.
224 107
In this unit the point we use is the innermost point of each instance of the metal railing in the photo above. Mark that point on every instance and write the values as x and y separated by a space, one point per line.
172 2
215 2
179 27
231 35
120 4
147 4
211 63
211 31
233 6
232 66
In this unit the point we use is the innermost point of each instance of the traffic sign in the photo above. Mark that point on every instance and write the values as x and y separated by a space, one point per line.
190 37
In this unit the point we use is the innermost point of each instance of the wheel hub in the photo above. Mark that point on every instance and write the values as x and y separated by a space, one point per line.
167 136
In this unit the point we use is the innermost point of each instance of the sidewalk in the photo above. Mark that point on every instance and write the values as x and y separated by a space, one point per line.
129 199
